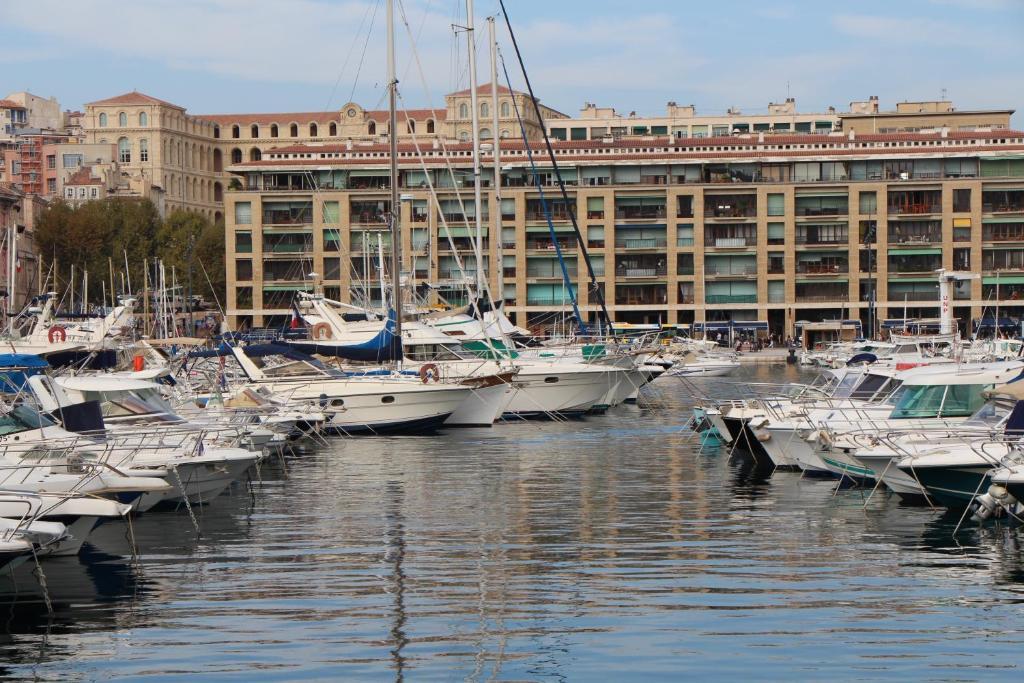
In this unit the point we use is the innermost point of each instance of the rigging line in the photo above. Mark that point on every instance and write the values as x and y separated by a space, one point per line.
558 173
546 209
362 57
348 57
446 156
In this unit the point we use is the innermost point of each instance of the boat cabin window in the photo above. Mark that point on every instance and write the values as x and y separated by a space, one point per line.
296 368
990 414
905 348
430 352
387 399
846 385
21 419
869 386
132 404
956 400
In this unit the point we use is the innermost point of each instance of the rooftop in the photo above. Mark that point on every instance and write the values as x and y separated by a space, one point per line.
134 97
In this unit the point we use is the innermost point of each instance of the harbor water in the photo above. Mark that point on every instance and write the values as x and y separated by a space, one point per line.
612 548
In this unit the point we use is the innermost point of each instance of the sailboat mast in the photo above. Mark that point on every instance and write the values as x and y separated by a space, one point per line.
396 233
475 120
496 160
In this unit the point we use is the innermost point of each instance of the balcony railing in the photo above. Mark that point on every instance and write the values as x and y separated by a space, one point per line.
729 242
684 241
640 213
822 268
653 271
1003 234
368 218
915 208
829 295
549 246
712 270
539 300
641 243
915 238
730 298
549 274
1003 207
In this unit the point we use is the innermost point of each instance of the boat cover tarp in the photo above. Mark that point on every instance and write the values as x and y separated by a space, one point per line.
382 348
15 368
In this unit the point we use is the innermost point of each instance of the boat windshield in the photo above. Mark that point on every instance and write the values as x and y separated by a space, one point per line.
939 400
846 385
869 387
430 352
21 419
989 415
128 404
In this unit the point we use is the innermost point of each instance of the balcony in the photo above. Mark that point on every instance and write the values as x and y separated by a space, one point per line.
629 213
548 245
921 232
818 238
641 272
1003 232
729 242
914 202
641 295
822 268
730 298
1002 201
730 270
641 243
821 206
822 291
730 206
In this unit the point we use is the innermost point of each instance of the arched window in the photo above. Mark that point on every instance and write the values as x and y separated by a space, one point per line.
218 192
430 126
273 130
143 149
236 156
333 130
143 119
122 120
505 110
463 111
218 161
216 131
255 154
505 133
464 136
124 151
484 110
371 128
103 120
294 130
236 132
485 133
254 131
313 130
411 127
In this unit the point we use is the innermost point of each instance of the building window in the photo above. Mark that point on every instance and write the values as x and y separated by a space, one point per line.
51 161
463 136
333 130
484 110
103 120
122 120
243 213
294 130
69 192
485 133
216 131
124 151
410 126
51 185
143 149
236 132
273 130
463 111
255 154
371 128
254 131
504 110
962 200
243 242
776 205
95 193
236 156
313 130
72 160
430 126
143 119
868 204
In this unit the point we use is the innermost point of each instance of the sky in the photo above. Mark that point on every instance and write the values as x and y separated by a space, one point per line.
220 56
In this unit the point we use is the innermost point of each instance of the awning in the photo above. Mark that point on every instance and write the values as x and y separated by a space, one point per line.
732 324
895 279
286 288
961 222
1003 280
1005 219
544 228
369 173
915 252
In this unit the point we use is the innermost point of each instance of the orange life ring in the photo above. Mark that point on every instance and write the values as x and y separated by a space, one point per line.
430 372
320 332
57 334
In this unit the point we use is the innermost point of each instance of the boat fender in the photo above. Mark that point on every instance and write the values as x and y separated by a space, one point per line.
320 331
57 334
429 372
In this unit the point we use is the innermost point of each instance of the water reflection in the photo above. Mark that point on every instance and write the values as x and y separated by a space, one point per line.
610 548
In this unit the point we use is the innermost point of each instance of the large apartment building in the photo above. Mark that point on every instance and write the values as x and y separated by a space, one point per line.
776 228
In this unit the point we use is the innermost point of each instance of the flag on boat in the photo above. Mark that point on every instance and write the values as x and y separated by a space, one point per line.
296 321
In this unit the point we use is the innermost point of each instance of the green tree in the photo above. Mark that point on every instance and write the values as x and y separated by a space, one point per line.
189 240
